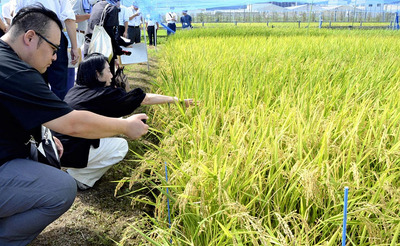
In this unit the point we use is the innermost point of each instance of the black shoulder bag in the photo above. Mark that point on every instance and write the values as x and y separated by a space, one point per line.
45 151
121 80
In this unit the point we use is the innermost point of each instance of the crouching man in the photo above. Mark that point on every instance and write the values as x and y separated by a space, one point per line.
32 194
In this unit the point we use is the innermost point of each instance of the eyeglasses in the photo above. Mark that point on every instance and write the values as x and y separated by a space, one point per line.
55 47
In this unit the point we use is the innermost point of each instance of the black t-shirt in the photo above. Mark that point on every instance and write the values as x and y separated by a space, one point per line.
107 101
26 102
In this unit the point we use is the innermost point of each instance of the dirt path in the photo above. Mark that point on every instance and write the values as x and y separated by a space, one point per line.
97 217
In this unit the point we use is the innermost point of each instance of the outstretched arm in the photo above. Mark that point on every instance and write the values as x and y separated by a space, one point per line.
152 99
85 124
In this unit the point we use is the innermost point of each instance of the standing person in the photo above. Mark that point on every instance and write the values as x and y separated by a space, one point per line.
88 159
57 74
110 25
123 19
186 20
82 10
135 20
171 19
32 194
152 27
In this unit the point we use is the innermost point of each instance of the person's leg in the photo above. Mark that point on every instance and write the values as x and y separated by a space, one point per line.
151 34
32 195
169 25
131 33
109 152
71 78
57 74
121 30
137 35
173 27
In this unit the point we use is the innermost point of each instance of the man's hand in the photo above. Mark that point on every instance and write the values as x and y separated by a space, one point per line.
136 127
74 56
59 146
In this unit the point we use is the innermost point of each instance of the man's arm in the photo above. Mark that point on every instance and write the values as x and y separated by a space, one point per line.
3 26
134 15
70 25
126 24
80 18
85 124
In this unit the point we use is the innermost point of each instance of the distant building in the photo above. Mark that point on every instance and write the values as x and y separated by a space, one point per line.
337 2
374 6
285 4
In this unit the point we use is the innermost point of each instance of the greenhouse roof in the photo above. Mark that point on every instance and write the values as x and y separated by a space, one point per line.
158 8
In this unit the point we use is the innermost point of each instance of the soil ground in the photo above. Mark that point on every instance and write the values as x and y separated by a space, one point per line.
97 217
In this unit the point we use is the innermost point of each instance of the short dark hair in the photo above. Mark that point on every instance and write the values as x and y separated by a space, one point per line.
87 69
34 17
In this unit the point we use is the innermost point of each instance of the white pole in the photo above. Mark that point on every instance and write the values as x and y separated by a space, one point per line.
145 43
155 35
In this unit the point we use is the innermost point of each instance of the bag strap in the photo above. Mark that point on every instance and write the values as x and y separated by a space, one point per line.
103 15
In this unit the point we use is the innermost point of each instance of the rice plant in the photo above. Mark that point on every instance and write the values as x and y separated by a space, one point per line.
287 119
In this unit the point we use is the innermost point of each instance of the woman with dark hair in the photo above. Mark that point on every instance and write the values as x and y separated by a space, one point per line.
88 159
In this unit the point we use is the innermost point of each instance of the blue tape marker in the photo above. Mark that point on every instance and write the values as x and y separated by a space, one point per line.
169 212
166 27
346 194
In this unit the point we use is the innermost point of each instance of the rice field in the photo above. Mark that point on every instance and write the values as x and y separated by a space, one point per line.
286 119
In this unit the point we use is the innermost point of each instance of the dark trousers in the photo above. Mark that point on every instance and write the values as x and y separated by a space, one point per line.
152 32
171 26
121 30
120 41
57 74
32 195
134 34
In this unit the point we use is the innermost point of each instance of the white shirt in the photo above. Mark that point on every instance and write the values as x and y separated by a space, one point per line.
123 16
150 22
7 9
77 7
62 8
171 15
137 19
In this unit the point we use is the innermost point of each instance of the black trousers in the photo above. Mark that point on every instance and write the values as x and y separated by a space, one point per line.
134 34
121 30
171 26
120 41
152 32
57 74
